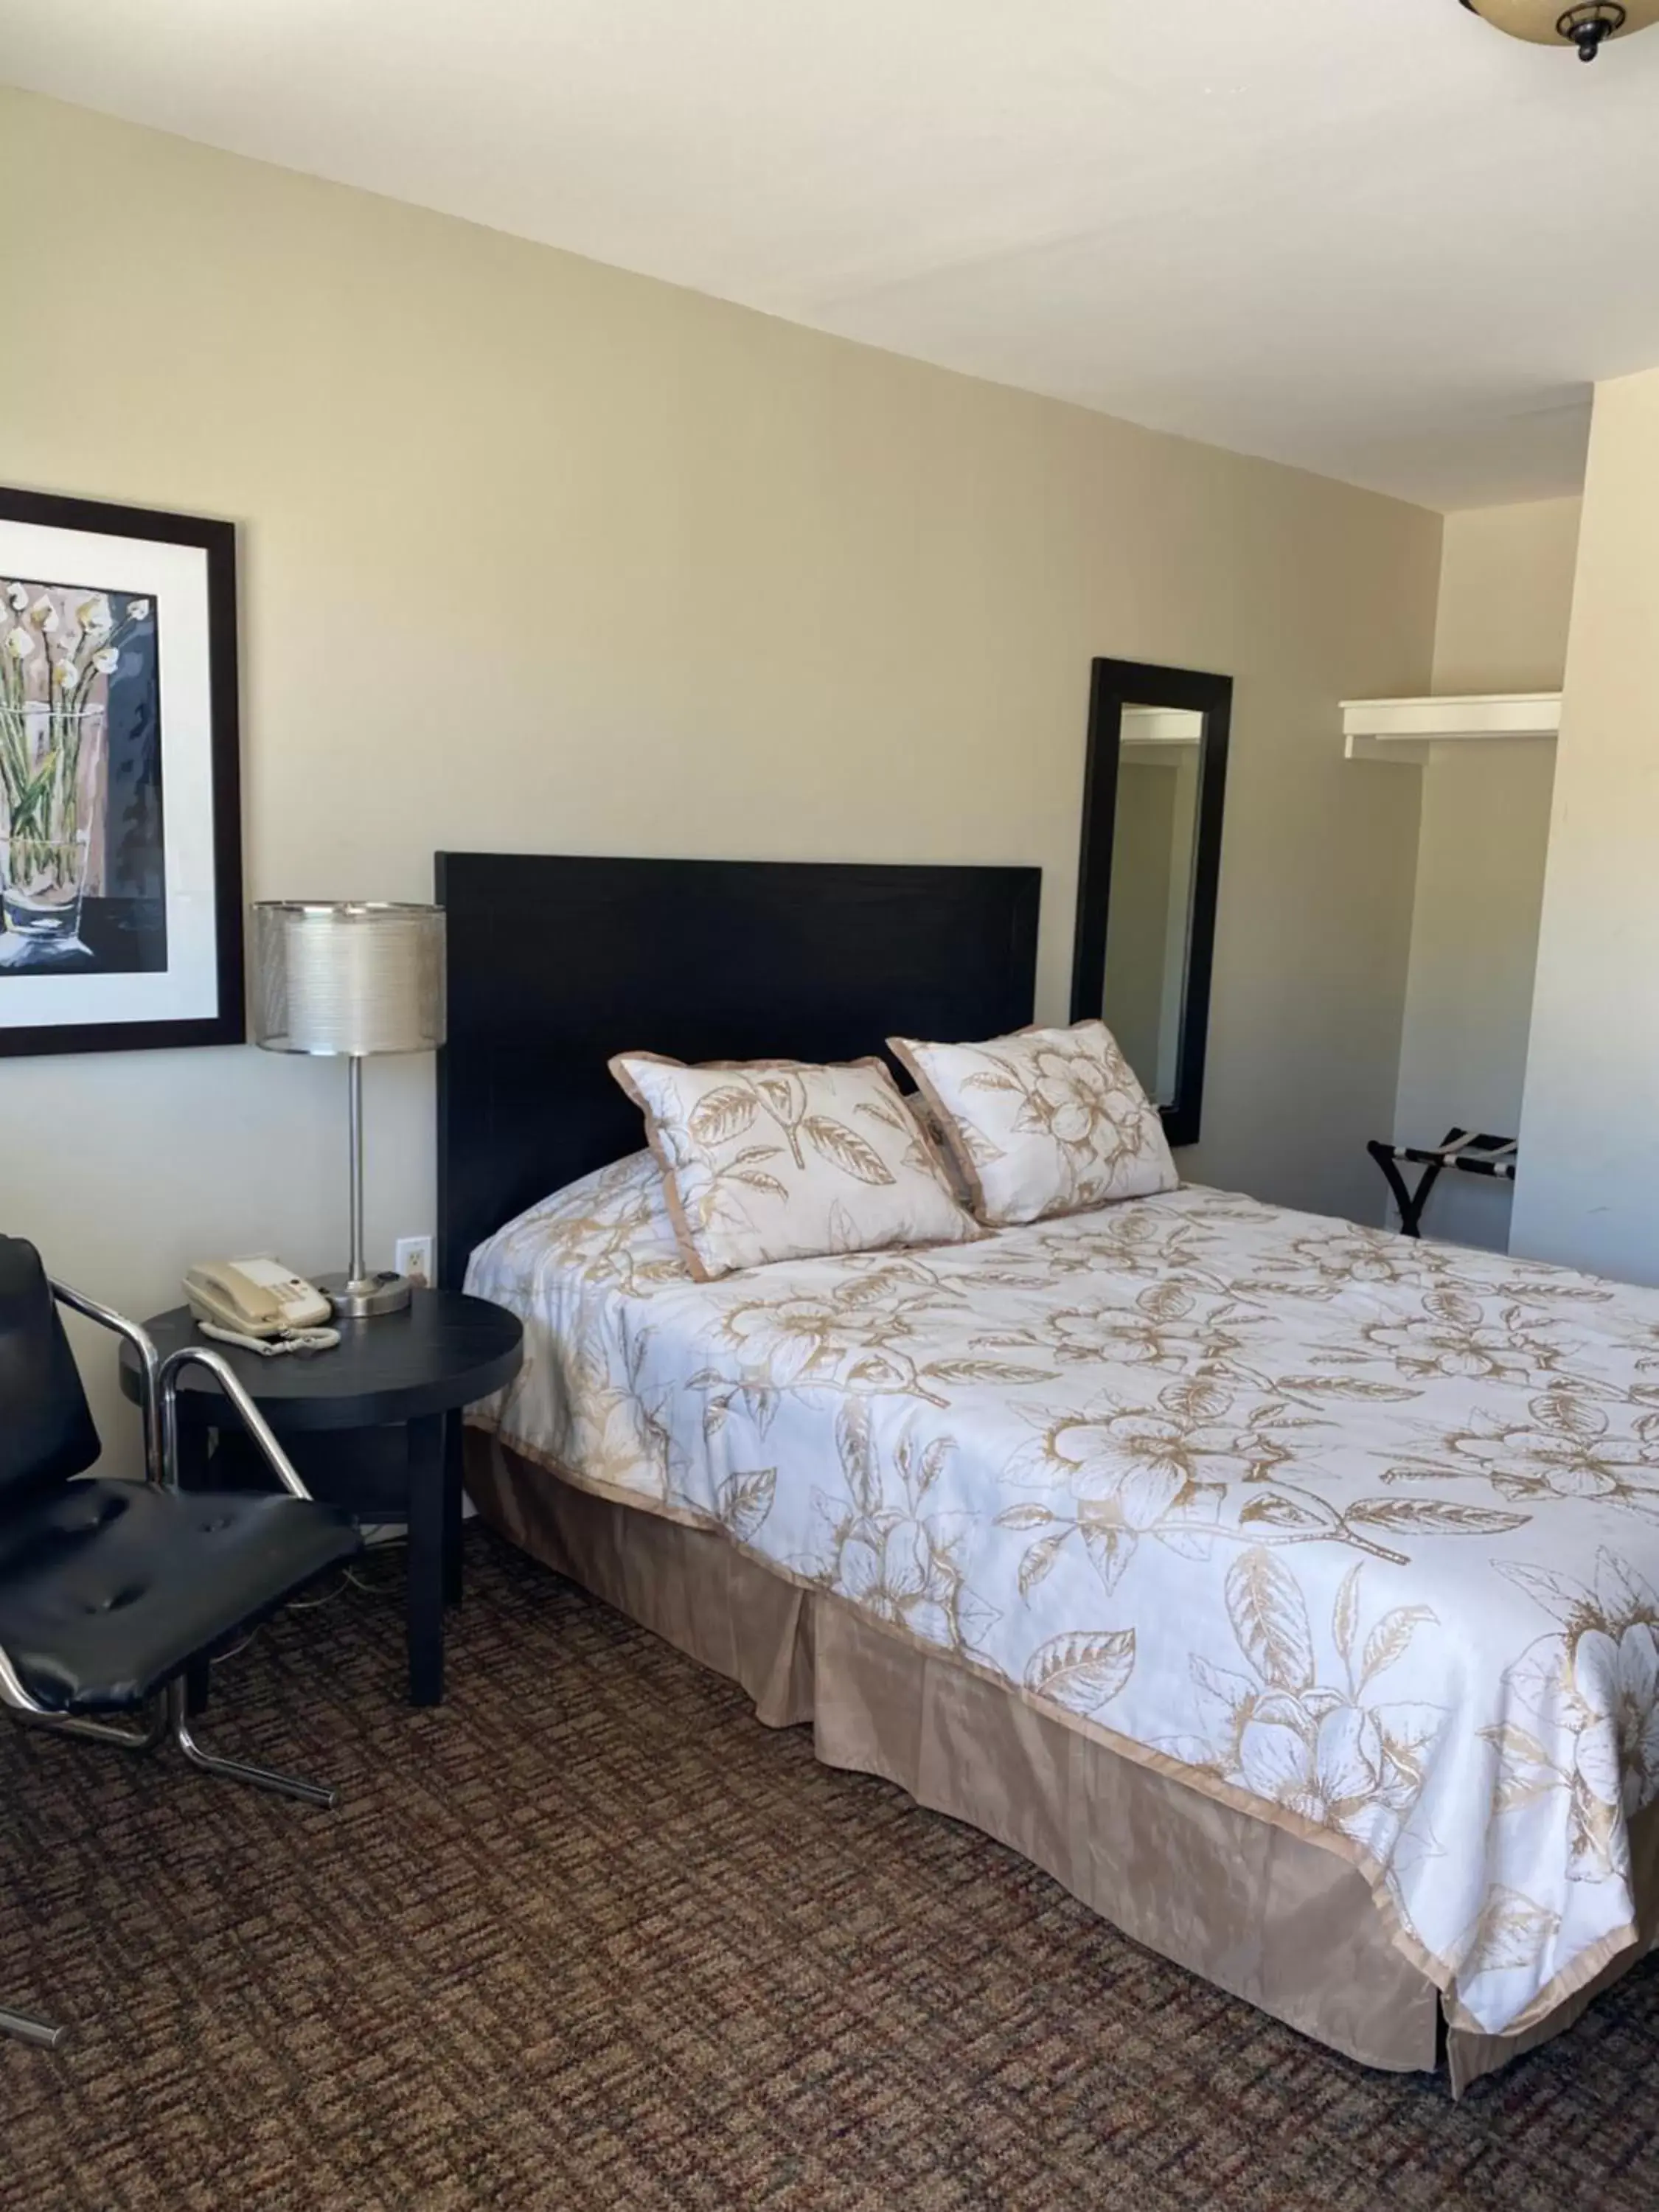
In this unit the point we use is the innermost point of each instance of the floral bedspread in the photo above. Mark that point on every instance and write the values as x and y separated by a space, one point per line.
1360 1534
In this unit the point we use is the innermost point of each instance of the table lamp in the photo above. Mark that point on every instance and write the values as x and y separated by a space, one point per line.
350 978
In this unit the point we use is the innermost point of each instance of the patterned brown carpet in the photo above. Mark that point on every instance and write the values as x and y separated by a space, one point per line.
589 1936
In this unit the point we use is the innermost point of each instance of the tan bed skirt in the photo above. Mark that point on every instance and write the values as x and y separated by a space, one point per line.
1264 1914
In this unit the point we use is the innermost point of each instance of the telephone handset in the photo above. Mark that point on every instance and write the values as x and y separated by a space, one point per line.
260 1303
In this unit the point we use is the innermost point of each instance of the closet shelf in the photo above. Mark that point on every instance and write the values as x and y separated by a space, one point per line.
1404 729
1157 734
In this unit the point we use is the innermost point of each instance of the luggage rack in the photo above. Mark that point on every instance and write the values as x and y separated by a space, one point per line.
1480 1154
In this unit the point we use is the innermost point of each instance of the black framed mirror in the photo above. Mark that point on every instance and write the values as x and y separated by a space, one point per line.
1152 796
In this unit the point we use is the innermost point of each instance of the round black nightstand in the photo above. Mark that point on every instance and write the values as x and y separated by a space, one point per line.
399 1383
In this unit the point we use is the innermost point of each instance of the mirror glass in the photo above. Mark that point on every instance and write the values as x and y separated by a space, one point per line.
1148 872
1148 916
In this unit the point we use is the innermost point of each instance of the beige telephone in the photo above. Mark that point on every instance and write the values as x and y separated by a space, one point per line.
257 1298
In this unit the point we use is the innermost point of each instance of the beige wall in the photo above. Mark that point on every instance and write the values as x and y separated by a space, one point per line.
1505 595
1590 1117
539 555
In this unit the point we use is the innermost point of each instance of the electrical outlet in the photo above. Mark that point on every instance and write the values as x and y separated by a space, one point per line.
414 1259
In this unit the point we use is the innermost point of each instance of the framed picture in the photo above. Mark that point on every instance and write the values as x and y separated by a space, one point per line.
120 809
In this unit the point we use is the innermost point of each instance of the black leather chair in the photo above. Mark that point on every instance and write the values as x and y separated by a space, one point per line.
109 1591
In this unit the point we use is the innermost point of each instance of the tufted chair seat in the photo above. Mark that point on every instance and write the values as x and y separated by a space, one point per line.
108 1589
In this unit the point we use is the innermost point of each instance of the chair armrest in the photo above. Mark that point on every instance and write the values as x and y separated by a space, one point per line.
253 1419
12 1691
149 1367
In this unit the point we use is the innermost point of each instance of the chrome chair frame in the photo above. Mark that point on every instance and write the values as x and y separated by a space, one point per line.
158 1407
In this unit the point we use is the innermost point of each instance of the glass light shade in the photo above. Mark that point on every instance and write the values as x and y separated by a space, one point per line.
353 978
1548 22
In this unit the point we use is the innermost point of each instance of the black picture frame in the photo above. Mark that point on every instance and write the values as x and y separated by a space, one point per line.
226 1024
1114 685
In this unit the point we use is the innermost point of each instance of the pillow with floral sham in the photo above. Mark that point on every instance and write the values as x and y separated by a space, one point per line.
933 1136
1046 1121
766 1160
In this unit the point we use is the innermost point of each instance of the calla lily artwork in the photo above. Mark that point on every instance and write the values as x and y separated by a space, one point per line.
120 804
80 780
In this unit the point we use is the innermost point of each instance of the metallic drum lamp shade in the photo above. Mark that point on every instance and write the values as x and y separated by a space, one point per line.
352 979
1586 24
348 979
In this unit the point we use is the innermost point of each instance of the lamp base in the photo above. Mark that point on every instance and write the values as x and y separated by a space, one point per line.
368 1296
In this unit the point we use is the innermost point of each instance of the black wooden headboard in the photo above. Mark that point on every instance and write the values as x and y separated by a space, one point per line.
555 964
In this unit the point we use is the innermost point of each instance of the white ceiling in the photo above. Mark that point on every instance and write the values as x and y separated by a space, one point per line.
1371 237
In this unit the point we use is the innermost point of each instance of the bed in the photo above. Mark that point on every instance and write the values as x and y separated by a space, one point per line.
1286 1589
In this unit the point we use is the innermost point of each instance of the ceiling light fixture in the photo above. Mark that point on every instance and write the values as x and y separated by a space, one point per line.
1587 26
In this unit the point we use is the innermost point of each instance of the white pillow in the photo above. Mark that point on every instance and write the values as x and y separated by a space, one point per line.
933 1136
766 1160
1045 1121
